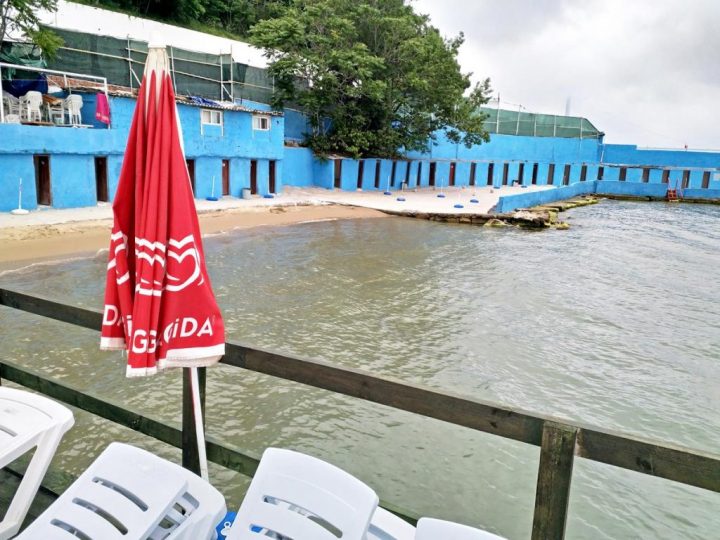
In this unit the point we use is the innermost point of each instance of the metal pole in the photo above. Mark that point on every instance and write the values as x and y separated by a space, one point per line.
107 97
172 68
517 127
497 120
2 103
535 125
554 125
129 58
232 75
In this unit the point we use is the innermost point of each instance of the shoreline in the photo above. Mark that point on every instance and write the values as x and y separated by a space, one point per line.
23 245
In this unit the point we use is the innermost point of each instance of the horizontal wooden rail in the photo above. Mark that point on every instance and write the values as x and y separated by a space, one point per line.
675 463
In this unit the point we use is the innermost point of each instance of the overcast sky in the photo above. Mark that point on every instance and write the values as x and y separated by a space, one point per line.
645 72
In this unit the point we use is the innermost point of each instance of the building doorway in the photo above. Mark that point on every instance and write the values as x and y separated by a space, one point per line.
377 174
521 173
706 180
271 176
551 174
225 177
338 174
473 170
566 176
191 173
392 174
433 167
506 170
491 173
253 177
42 180
451 178
361 171
418 180
534 174
686 179
101 184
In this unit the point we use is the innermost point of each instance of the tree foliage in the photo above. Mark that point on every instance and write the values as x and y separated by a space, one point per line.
21 16
384 77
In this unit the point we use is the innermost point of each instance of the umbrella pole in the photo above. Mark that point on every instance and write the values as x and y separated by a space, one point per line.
198 421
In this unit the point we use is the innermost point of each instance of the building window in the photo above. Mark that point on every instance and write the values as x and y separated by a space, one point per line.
209 117
261 123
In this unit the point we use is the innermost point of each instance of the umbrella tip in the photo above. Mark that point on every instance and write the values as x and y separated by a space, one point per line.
157 41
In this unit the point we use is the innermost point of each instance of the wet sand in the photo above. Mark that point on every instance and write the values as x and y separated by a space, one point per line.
41 242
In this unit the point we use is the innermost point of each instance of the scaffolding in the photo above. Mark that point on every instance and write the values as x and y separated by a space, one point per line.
121 62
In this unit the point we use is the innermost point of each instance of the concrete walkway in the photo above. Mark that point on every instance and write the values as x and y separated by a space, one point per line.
424 200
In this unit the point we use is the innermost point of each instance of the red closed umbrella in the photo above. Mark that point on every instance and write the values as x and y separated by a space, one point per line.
159 304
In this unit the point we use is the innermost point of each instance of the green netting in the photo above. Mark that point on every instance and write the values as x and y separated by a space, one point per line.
508 122
121 61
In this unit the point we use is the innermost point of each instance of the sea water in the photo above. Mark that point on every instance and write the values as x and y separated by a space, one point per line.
614 323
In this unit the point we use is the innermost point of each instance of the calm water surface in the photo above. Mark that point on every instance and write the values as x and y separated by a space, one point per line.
614 323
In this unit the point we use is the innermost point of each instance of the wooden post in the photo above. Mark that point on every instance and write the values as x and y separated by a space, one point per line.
190 458
557 453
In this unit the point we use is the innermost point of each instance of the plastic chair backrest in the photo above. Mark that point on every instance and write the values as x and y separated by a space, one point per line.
387 526
27 421
34 98
301 497
435 529
130 493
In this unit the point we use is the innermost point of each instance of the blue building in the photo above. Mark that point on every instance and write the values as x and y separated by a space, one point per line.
227 149
233 141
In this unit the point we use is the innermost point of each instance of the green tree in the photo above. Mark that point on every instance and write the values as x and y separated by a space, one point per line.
373 76
21 16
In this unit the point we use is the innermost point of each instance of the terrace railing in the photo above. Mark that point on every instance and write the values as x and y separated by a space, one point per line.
559 441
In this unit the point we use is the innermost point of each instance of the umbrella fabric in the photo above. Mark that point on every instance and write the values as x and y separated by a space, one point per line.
159 304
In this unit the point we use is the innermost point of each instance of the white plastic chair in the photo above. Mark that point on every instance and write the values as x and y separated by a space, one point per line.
27 421
435 529
387 526
304 498
73 105
11 105
130 494
56 111
30 105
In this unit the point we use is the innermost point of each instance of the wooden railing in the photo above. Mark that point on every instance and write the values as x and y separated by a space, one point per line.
560 442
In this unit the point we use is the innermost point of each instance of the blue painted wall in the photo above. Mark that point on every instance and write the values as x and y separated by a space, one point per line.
13 169
508 203
298 167
73 151
504 147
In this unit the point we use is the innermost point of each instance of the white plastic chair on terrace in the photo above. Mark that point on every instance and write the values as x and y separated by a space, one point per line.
11 105
130 494
435 529
387 526
73 105
27 421
303 498
30 106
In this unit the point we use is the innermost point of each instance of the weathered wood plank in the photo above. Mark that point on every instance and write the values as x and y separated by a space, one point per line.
441 405
553 485
665 461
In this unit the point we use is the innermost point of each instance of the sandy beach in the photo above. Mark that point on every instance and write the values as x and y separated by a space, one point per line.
22 244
